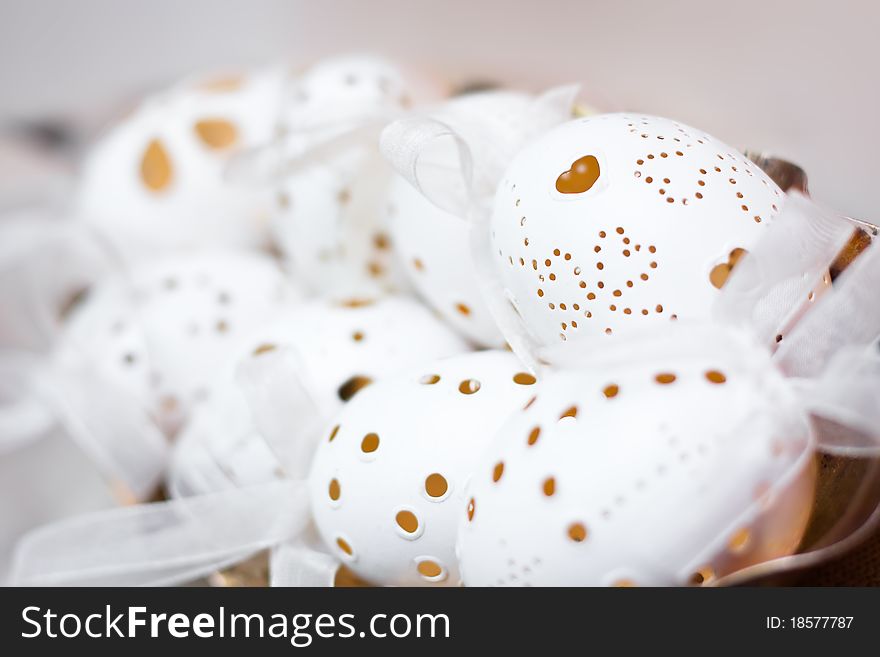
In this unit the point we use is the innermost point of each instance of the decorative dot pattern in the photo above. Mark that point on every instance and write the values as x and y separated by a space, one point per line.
619 468
651 238
395 486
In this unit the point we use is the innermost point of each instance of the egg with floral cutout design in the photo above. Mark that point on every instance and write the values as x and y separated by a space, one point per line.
328 217
158 179
666 470
338 349
161 330
610 222
388 479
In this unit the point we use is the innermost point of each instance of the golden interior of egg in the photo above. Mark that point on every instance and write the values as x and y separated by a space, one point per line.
775 531
580 177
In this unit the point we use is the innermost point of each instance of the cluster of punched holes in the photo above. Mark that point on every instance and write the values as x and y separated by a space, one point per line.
436 486
715 171
576 531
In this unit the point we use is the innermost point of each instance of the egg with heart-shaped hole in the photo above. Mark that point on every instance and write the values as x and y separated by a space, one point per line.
663 469
161 330
335 349
388 478
328 217
158 179
609 222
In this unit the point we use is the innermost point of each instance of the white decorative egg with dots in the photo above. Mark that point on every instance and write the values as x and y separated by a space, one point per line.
435 248
388 480
328 217
609 222
435 244
347 87
667 471
158 180
161 330
340 349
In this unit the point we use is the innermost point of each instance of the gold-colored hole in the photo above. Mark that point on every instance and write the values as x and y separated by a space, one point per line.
156 169
569 412
740 540
429 569
407 521
436 485
344 546
577 531
333 434
216 133
264 348
549 486
469 386
497 471
334 489
714 376
351 387
611 390
370 443
665 378
533 435
524 379
580 177
471 507
429 379
703 576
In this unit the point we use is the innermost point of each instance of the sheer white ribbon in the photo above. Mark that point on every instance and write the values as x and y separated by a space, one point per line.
456 159
164 542
43 259
196 534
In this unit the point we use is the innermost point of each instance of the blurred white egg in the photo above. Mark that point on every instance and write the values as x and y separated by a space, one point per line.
609 222
667 470
388 480
162 330
158 179
337 350
328 217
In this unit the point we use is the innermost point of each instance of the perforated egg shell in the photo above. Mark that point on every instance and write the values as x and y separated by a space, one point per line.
387 482
161 330
608 222
329 210
158 180
668 472
434 246
340 349
347 87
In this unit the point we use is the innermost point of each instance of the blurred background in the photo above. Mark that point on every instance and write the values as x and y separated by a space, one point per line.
797 79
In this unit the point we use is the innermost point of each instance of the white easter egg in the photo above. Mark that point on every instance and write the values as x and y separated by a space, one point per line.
329 209
434 243
435 248
388 479
347 87
609 222
668 470
161 330
339 348
158 180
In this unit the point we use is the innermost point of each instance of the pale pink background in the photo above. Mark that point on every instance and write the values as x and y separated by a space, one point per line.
799 78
